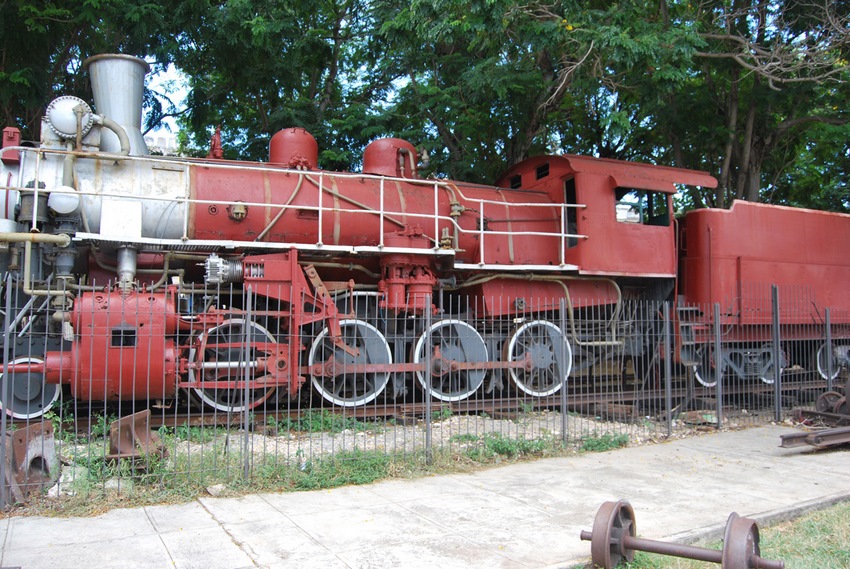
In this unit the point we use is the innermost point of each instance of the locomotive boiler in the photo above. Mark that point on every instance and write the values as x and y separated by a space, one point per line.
139 277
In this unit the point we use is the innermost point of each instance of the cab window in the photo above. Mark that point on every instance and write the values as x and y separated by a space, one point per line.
642 207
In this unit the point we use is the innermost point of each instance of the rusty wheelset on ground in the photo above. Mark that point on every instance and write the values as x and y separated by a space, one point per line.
613 541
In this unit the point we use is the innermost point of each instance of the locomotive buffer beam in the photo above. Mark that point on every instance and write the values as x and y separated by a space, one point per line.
439 366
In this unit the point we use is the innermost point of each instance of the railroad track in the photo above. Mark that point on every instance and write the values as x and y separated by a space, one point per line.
614 404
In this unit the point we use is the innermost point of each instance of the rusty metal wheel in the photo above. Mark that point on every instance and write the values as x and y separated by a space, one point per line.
826 401
841 407
740 543
613 521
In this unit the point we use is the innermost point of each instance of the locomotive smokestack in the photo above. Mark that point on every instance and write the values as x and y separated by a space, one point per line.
118 83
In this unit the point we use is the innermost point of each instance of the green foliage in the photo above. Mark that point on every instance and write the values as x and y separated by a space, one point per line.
496 446
99 424
353 467
604 442
464 438
45 44
444 412
480 84
322 420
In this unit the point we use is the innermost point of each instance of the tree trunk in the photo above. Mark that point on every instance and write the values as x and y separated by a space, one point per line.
731 124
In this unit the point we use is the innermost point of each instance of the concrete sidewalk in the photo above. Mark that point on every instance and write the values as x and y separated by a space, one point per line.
526 515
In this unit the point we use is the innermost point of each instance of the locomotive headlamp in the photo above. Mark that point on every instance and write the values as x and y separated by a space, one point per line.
63 200
64 114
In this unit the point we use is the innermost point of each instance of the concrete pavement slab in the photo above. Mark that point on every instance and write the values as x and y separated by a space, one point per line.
180 517
344 498
138 552
445 550
208 548
276 540
350 529
26 532
236 510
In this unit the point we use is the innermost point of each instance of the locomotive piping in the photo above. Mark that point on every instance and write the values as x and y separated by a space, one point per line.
119 131
352 201
570 313
349 266
62 239
28 290
282 209
69 178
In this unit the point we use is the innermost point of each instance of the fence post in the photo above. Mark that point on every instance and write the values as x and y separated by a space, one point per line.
828 349
777 356
429 450
718 366
4 494
247 378
563 323
668 369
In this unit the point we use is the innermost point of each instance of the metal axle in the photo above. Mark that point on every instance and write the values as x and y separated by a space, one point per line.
613 540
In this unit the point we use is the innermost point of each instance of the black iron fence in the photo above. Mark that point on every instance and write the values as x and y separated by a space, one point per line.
190 389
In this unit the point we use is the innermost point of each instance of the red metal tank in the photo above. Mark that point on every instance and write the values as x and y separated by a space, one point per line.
732 256
390 157
294 148
485 226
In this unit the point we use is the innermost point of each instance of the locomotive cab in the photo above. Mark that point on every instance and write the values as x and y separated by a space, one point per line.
618 213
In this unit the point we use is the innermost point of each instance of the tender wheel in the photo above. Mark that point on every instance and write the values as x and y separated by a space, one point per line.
451 341
767 364
706 372
822 363
548 353
224 345
25 395
358 388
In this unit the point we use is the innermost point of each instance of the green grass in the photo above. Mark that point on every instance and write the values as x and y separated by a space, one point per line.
493 447
604 442
345 468
818 540
464 438
441 414
313 421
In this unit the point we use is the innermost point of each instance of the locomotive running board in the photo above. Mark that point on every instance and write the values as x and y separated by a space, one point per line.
149 244
144 243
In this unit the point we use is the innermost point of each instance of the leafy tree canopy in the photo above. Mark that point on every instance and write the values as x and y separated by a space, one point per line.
753 91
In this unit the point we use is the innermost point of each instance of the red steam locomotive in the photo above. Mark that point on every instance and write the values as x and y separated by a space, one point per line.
138 277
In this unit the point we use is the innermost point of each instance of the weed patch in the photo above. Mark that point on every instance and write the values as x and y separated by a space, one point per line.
313 421
604 442
495 445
